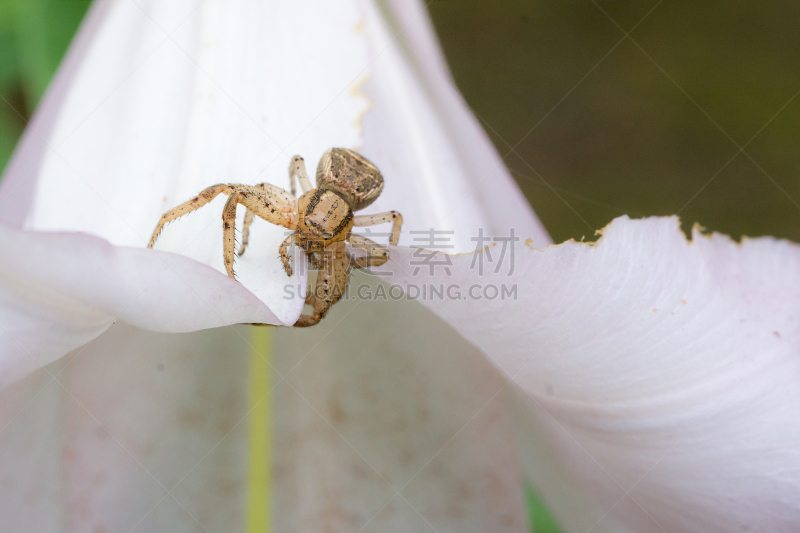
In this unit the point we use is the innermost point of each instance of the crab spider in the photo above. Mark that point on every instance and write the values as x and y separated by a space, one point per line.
321 220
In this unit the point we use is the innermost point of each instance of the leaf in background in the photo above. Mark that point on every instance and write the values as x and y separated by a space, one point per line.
34 34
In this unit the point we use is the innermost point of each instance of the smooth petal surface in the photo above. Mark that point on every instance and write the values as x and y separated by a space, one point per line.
137 431
659 375
67 288
389 421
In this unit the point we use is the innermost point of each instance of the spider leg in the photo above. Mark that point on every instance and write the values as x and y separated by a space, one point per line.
331 283
284 251
297 167
311 299
248 219
187 207
272 191
376 254
379 218
272 204
229 232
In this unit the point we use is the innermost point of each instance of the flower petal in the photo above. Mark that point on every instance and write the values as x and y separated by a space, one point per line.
434 158
158 100
30 472
389 421
68 288
442 172
662 372
138 431
155 101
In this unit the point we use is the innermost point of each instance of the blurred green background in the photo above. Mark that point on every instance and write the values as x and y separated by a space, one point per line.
650 124
33 37
601 108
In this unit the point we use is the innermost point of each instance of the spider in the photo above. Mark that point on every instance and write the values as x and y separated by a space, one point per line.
321 220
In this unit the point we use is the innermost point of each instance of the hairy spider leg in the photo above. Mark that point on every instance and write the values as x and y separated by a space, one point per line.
248 219
229 232
331 282
376 254
185 208
272 204
297 168
284 251
249 215
389 216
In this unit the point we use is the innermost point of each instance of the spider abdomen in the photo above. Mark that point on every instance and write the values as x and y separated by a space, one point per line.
351 176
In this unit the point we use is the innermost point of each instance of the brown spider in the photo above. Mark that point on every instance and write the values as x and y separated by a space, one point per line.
322 220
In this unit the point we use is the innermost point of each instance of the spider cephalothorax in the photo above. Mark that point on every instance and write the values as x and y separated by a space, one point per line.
324 214
322 220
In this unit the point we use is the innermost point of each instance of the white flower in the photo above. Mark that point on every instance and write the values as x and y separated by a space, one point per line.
651 381
655 378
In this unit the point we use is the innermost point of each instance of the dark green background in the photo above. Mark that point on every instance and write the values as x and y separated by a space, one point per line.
601 124
33 36
645 125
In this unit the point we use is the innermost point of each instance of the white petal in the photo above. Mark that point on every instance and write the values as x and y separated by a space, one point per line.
212 100
653 365
65 289
147 147
30 471
156 101
138 431
440 167
389 421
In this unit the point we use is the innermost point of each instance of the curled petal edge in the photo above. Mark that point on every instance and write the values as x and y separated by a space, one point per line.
59 291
